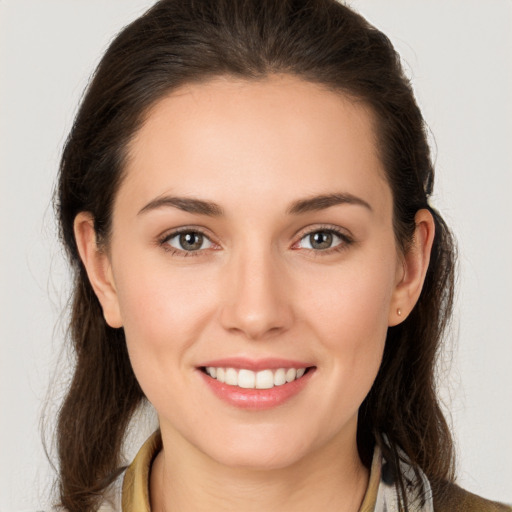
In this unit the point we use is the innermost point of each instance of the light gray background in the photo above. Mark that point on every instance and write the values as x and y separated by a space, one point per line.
458 54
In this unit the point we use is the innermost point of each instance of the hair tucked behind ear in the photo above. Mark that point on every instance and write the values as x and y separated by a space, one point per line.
183 41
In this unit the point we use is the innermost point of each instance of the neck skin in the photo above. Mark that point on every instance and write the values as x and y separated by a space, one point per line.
184 480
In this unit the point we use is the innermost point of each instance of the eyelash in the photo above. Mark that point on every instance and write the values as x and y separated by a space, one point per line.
163 241
346 241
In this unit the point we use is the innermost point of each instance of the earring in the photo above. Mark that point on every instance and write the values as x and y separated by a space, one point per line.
399 312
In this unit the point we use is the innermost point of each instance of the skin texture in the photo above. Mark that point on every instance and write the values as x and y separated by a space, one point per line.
256 288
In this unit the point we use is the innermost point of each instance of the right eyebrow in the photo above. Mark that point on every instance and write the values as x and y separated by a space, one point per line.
187 204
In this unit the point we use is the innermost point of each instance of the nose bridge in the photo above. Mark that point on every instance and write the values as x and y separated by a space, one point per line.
256 301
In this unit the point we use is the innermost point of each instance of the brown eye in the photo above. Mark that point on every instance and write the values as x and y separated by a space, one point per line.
189 241
322 240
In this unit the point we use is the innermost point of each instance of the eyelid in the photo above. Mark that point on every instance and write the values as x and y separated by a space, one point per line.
345 236
168 235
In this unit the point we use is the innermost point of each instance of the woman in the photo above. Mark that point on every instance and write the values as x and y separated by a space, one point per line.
244 198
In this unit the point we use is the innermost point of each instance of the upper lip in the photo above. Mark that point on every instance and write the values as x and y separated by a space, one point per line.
270 363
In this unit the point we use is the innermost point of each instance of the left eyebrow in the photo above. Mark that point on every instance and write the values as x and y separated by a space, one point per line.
187 204
324 201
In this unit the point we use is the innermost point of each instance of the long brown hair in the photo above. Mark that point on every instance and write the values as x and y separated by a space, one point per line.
184 41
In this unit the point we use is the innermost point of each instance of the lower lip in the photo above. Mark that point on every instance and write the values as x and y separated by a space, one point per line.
257 399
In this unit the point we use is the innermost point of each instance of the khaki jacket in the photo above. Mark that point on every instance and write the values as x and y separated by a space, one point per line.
451 498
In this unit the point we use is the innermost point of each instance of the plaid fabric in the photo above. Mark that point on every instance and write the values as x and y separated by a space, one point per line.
417 488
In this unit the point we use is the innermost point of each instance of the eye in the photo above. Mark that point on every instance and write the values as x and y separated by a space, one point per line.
189 241
322 240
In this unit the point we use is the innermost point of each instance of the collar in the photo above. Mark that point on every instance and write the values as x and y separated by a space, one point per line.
135 496
379 497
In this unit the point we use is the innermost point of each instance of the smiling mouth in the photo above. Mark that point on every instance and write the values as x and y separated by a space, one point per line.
248 379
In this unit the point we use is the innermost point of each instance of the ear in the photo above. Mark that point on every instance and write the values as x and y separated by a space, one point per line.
413 269
99 270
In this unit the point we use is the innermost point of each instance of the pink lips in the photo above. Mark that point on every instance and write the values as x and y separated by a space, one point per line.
256 399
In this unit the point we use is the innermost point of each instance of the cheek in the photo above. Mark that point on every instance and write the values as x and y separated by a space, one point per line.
164 313
351 324
351 300
348 310
162 308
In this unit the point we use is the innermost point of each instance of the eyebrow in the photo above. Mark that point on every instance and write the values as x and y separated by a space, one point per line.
209 208
187 204
322 202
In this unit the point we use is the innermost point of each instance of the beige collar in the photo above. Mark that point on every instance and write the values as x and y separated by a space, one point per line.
136 480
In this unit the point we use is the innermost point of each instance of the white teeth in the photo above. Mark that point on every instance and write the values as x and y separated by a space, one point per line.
291 374
231 377
264 379
280 377
221 375
247 379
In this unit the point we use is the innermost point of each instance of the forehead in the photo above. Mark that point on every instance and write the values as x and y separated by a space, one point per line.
279 137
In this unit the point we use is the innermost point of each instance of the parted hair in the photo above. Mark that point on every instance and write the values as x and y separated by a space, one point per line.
191 41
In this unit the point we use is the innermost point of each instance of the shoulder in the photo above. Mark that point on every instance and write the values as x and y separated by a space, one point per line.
449 497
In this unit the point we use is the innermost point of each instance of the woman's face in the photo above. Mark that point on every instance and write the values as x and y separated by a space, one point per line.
253 234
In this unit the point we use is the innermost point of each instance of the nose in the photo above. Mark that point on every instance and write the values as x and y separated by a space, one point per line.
256 296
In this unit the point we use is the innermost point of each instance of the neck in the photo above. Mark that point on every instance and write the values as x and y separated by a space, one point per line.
321 481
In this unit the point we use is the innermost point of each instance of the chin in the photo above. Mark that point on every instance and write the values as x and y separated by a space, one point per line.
256 458
262 447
